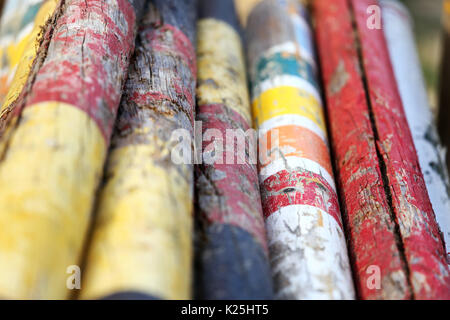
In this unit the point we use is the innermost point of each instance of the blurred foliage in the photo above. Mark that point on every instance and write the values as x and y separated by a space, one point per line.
428 29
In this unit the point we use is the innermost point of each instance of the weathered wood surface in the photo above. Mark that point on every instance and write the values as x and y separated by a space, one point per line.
54 143
142 241
444 97
422 243
232 261
306 240
371 229
400 40
20 30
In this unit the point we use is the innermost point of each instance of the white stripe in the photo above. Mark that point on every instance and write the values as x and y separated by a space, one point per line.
286 81
307 246
291 119
293 163
303 30
26 30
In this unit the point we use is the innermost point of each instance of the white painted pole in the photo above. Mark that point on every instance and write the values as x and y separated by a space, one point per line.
397 26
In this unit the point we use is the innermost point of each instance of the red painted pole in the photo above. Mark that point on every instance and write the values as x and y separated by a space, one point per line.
388 214
370 228
422 242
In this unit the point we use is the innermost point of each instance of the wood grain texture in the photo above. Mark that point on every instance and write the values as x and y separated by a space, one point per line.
232 257
142 241
421 239
402 48
306 241
54 143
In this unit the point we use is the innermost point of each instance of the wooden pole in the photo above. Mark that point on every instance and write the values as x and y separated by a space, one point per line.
54 142
389 219
371 230
406 64
305 235
20 31
142 241
232 251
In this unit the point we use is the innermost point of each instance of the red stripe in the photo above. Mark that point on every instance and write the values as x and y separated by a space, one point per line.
86 67
305 188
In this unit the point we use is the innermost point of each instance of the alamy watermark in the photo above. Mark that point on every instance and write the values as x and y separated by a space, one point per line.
374 20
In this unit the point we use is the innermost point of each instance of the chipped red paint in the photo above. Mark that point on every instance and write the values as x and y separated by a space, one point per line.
370 229
412 263
423 245
90 80
238 202
306 188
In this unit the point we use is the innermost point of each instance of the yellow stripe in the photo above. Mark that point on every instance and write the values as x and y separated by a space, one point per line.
48 180
143 238
23 53
287 100
244 8
221 68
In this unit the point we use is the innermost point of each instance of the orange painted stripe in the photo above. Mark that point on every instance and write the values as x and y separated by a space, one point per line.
296 141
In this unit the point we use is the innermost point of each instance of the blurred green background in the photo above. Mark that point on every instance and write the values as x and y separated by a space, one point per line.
427 26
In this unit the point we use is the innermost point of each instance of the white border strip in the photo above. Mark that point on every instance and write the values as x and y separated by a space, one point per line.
292 48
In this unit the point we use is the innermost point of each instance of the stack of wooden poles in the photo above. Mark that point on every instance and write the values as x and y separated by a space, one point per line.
348 197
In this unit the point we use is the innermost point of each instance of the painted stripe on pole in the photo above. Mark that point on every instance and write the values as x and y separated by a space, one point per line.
296 141
282 63
286 81
293 229
287 100
287 188
291 120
